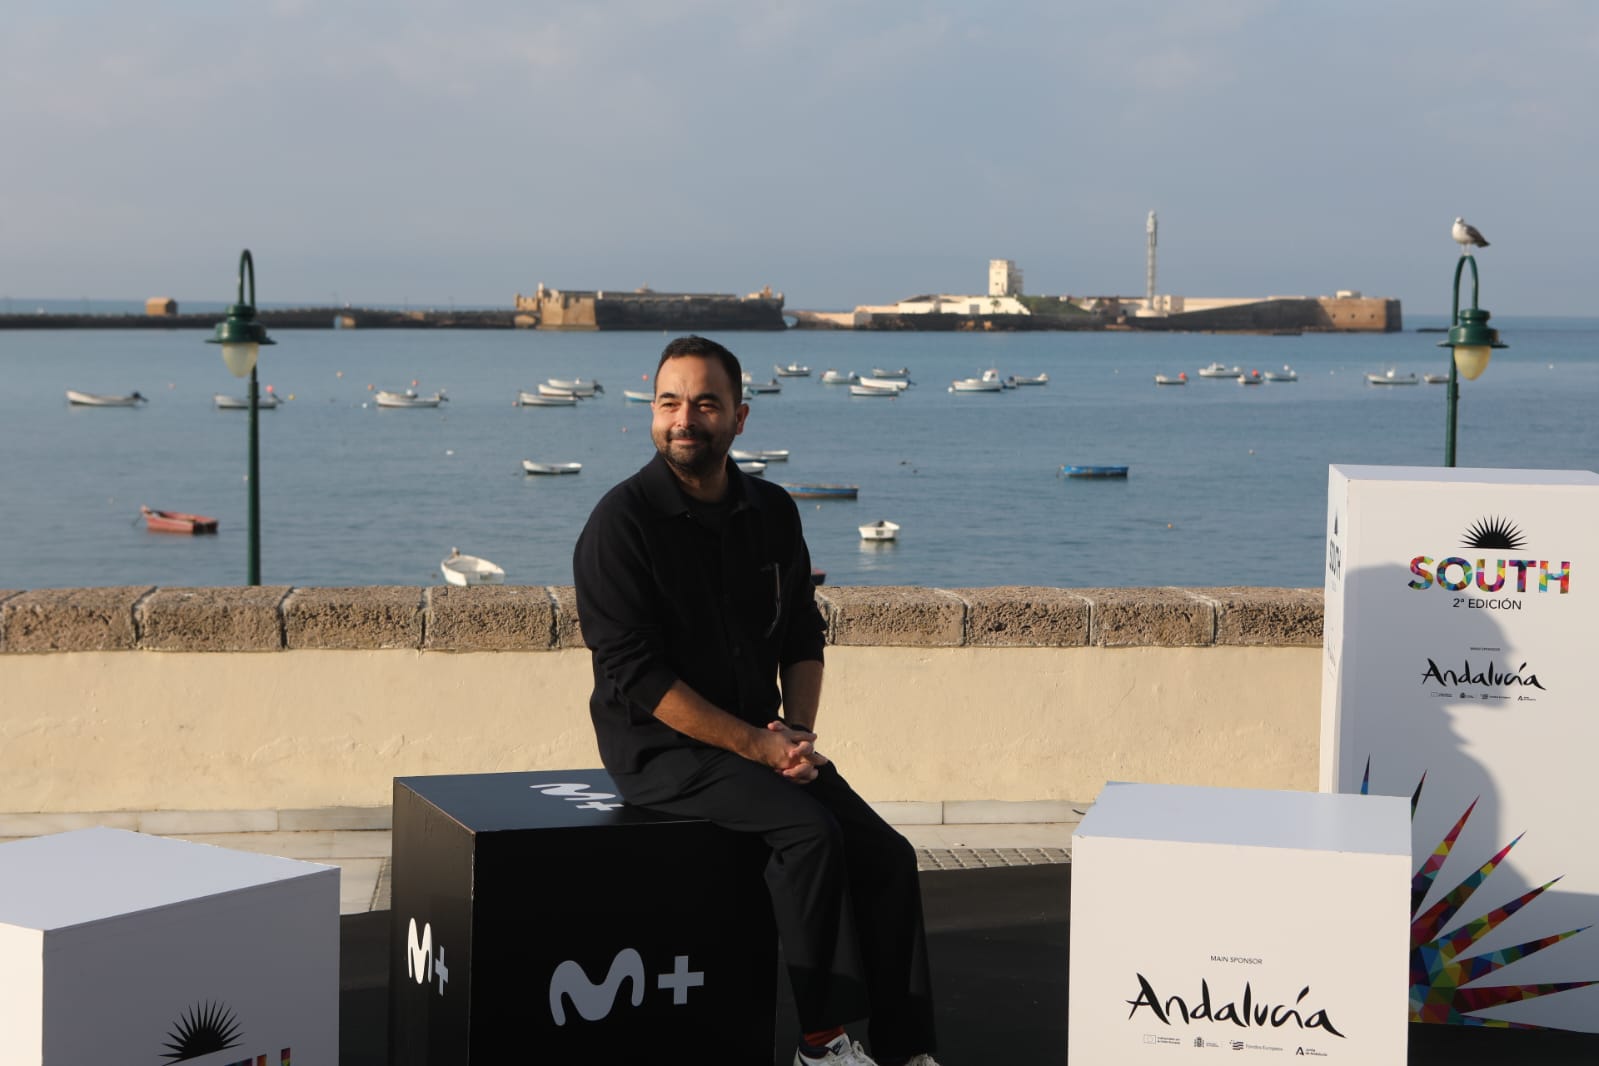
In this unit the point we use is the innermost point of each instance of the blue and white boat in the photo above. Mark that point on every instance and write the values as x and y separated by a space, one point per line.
821 492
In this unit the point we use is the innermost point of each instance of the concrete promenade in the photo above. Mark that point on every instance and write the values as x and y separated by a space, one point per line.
362 855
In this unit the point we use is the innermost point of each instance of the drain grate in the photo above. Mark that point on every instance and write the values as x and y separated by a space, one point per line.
982 858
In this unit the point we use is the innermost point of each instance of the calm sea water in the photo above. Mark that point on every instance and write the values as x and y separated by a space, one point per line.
1227 485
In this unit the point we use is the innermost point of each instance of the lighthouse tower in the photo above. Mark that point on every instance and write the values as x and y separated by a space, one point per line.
1149 272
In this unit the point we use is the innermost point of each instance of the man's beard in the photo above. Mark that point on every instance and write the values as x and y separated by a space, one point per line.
700 462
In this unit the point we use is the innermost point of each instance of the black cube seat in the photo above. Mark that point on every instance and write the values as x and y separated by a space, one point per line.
537 917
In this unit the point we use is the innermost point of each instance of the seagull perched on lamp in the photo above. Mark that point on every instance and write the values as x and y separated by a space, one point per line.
1466 235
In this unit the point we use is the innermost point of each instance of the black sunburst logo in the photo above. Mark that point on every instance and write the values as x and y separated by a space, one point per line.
204 1028
1495 533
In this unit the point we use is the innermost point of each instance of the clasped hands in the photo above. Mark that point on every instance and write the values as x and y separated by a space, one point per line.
792 752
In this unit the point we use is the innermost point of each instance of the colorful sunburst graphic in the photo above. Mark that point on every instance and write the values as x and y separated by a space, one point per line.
203 1028
1439 971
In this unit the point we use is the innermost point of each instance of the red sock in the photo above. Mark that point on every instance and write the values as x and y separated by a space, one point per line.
822 1038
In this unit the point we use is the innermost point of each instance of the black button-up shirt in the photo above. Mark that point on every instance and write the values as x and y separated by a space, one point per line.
719 602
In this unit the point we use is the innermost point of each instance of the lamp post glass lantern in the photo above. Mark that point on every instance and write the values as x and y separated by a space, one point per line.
1472 342
241 337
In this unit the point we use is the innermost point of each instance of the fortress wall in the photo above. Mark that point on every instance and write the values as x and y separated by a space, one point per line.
567 312
689 312
1374 314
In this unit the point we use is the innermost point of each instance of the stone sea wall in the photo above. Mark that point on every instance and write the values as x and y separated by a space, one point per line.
1026 699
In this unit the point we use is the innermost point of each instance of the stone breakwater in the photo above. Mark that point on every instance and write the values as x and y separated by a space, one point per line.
290 318
539 618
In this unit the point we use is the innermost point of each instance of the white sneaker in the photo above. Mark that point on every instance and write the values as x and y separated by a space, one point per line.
922 1060
840 1052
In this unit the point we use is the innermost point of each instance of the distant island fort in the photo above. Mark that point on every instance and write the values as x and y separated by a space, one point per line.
1005 306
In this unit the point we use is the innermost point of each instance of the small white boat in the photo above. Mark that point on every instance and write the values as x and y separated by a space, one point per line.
560 391
1393 377
1219 370
90 399
576 386
534 399
753 467
1251 378
1436 379
1004 383
461 569
874 390
792 370
891 384
263 402
1164 379
531 467
1036 379
982 384
880 530
408 398
1287 373
763 386
771 455
637 396
840 377
902 374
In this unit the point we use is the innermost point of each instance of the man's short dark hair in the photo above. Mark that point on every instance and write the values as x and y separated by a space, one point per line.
706 349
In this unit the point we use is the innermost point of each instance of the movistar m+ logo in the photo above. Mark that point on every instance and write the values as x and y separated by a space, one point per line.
594 1002
579 793
420 963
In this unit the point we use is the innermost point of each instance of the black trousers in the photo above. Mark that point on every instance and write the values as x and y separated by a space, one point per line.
844 888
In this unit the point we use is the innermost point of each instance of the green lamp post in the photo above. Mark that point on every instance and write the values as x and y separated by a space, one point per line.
241 337
1473 343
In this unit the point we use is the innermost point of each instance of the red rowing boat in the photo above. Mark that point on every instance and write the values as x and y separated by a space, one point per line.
177 522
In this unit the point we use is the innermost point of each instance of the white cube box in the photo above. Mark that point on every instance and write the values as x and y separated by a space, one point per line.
122 947
1239 919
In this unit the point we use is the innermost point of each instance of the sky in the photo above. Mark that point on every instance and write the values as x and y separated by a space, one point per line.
841 151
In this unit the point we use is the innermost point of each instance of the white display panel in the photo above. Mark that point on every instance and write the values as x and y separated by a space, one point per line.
1458 630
